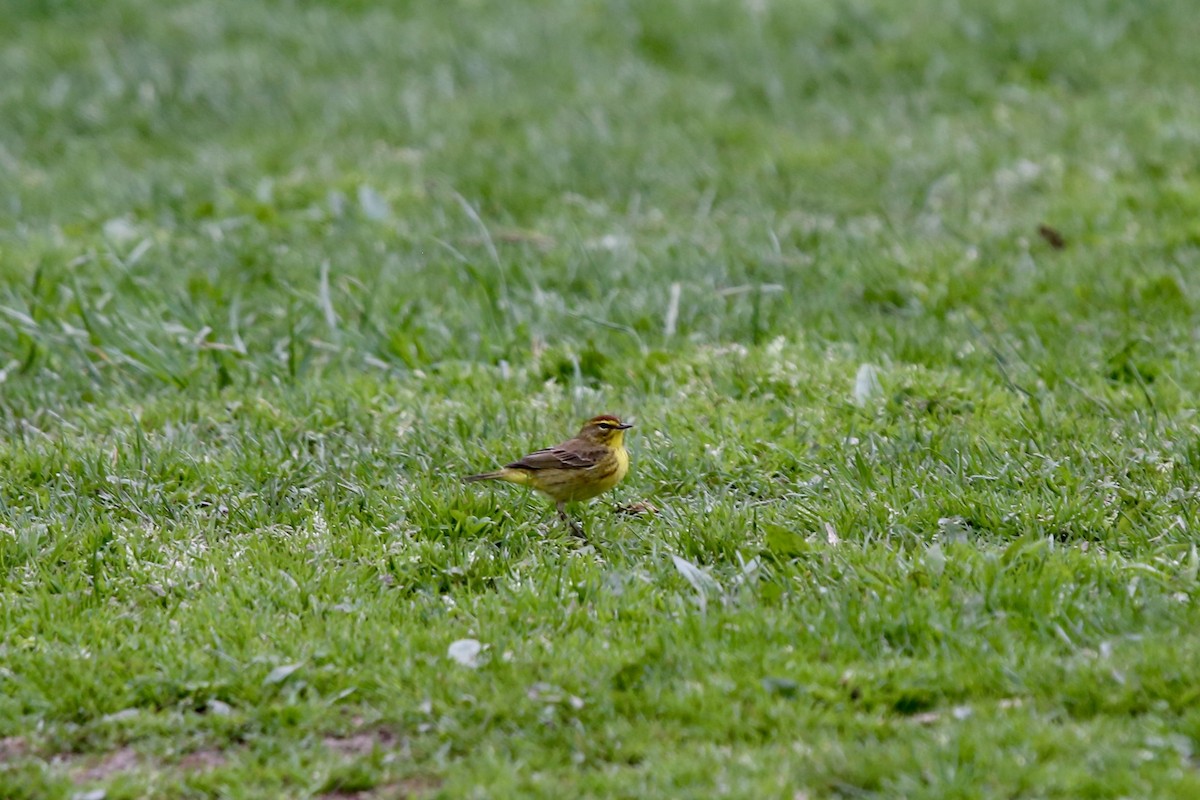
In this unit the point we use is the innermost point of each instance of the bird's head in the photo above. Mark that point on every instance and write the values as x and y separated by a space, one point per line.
605 429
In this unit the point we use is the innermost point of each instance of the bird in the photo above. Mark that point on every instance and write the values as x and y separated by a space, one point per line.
590 464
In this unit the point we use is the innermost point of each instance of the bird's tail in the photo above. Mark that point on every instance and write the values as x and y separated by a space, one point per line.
508 475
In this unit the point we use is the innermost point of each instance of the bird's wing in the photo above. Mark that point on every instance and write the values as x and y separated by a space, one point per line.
569 455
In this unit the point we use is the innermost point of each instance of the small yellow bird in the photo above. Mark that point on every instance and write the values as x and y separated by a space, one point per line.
578 469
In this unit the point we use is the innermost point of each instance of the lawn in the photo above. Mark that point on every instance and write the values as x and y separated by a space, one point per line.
901 296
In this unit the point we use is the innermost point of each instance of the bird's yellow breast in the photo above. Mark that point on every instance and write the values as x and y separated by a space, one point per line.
573 485
604 476
622 465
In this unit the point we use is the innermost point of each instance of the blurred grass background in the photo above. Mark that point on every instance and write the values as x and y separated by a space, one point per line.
273 274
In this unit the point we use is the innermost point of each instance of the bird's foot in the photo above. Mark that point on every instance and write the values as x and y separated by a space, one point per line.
576 528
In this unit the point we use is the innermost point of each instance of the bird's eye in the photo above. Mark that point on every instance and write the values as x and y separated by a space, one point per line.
604 426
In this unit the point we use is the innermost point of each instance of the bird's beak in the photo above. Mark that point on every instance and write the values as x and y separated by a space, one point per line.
624 426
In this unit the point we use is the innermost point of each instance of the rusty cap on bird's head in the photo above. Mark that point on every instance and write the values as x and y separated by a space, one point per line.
609 422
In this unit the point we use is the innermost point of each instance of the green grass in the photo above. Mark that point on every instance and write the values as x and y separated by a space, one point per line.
275 274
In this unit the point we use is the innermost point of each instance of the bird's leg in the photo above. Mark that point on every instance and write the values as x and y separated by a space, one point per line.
572 524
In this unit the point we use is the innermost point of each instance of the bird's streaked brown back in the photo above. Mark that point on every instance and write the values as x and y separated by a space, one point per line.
573 454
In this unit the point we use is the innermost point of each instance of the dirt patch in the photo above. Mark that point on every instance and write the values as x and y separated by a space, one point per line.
124 760
361 744
85 769
203 760
13 748
89 769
